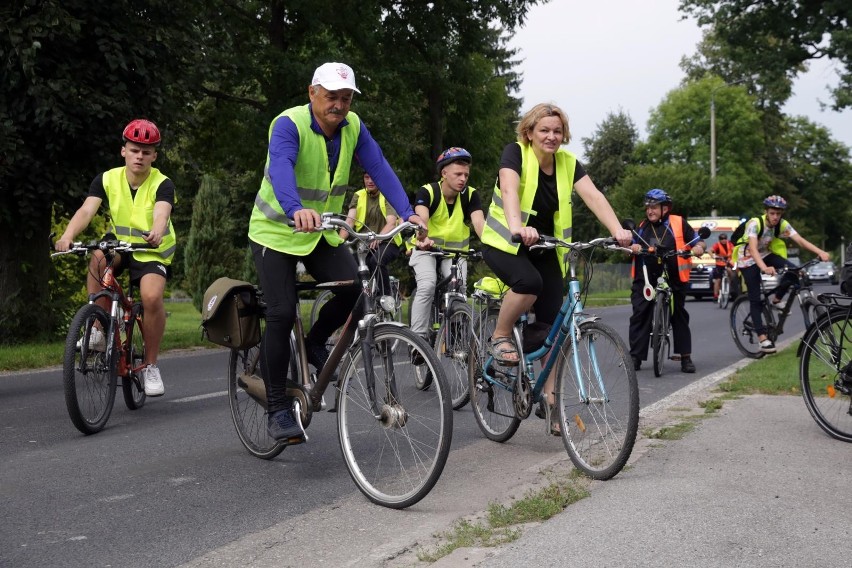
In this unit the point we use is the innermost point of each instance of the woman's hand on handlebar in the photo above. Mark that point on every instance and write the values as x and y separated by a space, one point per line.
624 237
62 244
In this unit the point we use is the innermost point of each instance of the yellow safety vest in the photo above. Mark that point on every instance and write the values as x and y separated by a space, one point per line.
497 233
361 211
445 229
316 189
776 245
131 216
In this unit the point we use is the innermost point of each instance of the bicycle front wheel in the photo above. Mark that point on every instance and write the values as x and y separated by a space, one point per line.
455 347
743 329
724 292
89 370
825 371
597 396
660 339
491 397
395 437
131 384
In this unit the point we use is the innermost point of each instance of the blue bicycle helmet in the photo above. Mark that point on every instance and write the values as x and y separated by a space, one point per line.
454 154
657 196
776 202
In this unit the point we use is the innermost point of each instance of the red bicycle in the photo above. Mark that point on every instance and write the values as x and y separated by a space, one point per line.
101 346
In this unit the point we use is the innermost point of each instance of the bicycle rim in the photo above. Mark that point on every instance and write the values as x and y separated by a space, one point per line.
742 329
455 348
247 412
598 432
491 400
825 371
89 377
394 460
131 384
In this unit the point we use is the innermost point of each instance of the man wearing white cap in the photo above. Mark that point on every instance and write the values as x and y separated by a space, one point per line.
310 153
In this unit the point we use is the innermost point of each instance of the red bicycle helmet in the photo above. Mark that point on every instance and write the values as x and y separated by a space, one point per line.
142 131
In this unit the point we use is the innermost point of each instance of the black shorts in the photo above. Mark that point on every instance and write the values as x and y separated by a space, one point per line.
138 269
530 272
718 272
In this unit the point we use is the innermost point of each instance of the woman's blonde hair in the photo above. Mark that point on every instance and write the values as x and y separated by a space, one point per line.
536 113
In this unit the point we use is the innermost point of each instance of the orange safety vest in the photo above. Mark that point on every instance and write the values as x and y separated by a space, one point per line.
723 250
684 265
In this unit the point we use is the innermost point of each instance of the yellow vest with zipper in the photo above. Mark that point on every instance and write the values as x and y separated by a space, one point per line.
130 215
496 232
448 230
316 188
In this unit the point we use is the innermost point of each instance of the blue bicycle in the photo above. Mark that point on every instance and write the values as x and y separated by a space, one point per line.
596 393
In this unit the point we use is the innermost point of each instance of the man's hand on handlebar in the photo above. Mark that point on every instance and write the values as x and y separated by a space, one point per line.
307 220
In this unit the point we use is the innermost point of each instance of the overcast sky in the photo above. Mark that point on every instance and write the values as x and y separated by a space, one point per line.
594 58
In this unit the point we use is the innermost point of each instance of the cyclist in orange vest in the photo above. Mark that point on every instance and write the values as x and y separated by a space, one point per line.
665 232
722 252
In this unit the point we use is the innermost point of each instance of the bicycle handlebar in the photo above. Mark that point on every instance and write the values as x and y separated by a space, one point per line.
334 222
113 245
441 251
546 242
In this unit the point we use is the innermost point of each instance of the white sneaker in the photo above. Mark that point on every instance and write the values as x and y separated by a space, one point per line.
153 381
97 341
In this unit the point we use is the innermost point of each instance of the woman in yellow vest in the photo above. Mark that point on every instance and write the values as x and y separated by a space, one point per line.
533 197
370 209
140 200
445 205
764 253
310 153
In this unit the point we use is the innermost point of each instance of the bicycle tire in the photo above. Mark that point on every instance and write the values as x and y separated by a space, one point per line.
658 338
396 460
724 292
322 299
455 347
132 385
493 407
809 310
598 433
247 413
421 374
89 376
742 328
827 382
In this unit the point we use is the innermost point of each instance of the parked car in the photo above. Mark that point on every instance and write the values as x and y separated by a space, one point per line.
770 282
824 272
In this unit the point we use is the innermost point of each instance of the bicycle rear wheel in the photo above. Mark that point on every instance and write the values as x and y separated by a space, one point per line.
598 430
743 330
89 372
491 398
455 347
131 384
660 337
247 400
397 456
825 372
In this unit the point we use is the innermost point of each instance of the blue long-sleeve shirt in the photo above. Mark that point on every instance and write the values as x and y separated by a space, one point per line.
284 149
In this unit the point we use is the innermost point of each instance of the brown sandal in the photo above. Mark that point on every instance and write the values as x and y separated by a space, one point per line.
499 352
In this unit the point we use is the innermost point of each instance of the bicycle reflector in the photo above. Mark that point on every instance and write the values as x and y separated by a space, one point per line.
647 290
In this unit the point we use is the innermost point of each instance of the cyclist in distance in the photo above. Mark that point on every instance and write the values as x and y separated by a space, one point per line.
532 196
140 199
311 148
446 205
763 252
664 231
369 208
722 252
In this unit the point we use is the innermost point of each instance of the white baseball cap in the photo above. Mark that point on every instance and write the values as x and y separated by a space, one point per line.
335 76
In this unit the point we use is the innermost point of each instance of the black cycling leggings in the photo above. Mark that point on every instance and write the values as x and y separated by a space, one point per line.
277 273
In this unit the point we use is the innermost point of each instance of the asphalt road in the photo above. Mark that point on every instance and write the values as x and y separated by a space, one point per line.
169 483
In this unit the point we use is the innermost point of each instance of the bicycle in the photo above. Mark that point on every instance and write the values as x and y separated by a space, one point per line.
596 392
395 438
825 366
90 372
743 329
725 289
450 328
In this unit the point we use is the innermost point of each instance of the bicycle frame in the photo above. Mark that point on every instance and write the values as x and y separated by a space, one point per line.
120 313
801 290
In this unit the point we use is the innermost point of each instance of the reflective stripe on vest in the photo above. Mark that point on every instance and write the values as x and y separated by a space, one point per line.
130 215
361 212
497 233
447 230
315 187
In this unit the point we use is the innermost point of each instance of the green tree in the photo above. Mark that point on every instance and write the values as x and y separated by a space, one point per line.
210 252
783 35
608 153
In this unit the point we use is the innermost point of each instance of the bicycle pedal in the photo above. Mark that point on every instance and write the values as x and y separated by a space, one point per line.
295 440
